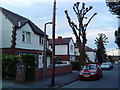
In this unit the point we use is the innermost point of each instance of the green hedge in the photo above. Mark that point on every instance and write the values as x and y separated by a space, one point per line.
9 63
29 59
76 65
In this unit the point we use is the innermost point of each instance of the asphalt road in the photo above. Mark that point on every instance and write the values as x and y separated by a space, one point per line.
109 80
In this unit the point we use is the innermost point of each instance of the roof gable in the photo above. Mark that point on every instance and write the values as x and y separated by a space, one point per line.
88 49
19 21
63 42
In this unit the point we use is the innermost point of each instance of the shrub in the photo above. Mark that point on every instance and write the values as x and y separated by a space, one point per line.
9 63
76 65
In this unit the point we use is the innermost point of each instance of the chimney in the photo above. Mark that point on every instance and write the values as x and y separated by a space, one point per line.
60 39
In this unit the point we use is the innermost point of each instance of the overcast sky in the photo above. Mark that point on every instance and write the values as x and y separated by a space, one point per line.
40 12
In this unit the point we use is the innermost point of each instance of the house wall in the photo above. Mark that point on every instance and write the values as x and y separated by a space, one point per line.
71 51
91 56
34 39
61 50
64 57
77 52
6 31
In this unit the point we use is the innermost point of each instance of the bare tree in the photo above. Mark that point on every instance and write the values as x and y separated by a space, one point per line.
80 29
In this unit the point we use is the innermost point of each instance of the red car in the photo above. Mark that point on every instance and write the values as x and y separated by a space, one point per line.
90 71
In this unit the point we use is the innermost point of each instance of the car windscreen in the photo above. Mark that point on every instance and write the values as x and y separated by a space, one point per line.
89 67
105 64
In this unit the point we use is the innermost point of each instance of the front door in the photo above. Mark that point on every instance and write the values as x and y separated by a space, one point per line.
40 65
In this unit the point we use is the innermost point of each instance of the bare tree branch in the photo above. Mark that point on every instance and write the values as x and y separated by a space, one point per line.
89 20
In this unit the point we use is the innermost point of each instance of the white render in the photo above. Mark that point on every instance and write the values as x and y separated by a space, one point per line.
65 50
61 50
6 31
35 45
91 55
77 52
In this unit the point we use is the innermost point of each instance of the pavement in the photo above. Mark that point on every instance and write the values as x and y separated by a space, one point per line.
60 81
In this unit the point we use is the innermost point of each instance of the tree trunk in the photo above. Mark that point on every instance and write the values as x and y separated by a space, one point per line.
81 51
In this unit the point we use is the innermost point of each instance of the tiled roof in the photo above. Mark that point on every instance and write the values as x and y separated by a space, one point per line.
88 49
15 19
63 42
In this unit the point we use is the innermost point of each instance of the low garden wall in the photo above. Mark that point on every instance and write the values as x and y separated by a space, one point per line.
58 70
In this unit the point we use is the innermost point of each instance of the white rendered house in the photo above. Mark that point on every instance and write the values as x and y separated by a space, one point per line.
21 36
64 48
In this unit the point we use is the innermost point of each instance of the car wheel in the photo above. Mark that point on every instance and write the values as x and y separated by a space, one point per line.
101 74
98 76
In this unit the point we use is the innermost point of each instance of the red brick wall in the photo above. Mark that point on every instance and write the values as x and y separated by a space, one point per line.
58 70
38 73
64 57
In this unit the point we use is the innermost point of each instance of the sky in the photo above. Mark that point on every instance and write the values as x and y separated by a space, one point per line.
40 12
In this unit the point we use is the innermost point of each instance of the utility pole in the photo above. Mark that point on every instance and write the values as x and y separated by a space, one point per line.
53 45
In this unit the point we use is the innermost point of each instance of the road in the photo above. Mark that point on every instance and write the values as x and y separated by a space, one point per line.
109 80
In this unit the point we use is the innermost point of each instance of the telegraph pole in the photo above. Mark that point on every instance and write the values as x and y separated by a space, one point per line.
53 45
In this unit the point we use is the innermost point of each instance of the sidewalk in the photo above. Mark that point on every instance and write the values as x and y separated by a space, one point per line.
60 81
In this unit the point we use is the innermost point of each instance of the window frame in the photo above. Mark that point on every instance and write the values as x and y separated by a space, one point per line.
25 37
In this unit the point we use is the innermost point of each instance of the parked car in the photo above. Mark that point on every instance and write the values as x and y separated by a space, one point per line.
106 65
59 63
119 61
90 72
116 62
111 64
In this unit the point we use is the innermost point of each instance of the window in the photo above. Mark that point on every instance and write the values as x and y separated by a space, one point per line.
26 37
71 47
41 40
23 36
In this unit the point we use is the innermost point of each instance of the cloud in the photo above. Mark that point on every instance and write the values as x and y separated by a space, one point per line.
17 2
29 2
32 1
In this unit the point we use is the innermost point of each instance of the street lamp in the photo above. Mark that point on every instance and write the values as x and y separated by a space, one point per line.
45 49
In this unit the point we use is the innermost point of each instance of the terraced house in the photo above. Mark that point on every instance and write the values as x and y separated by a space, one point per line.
21 36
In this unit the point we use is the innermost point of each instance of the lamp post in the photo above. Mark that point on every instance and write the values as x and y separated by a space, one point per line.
45 49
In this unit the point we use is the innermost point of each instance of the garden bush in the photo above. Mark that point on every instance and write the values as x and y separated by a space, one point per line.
9 63
29 59
76 65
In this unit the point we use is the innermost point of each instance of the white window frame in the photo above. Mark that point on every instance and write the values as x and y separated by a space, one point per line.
41 40
25 37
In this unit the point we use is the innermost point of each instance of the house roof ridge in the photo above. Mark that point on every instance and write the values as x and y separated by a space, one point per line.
16 18
65 40
86 47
